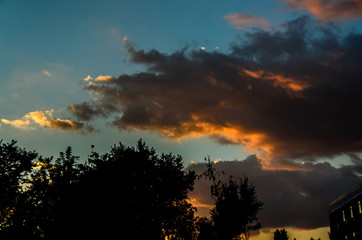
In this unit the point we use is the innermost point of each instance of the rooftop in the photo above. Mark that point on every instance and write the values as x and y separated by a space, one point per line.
345 198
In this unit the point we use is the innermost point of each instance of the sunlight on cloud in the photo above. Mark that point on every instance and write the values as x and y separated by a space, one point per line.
22 124
196 203
255 143
105 78
279 80
88 78
329 11
47 120
37 165
243 21
266 95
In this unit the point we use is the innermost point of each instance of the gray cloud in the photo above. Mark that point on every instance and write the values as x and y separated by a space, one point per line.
291 198
289 94
87 111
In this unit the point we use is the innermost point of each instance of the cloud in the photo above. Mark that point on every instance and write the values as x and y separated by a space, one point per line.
279 80
286 95
45 72
47 120
88 78
103 78
244 21
298 199
329 10
100 78
17 123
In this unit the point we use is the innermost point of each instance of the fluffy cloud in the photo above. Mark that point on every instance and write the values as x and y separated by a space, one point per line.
297 199
88 78
329 10
285 95
103 78
23 124
47 120
100 78
244 21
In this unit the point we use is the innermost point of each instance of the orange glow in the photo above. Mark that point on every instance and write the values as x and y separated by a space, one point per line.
279 80
267 233
105 78
43 119
88 78
23 124
255 142
328 12
196 203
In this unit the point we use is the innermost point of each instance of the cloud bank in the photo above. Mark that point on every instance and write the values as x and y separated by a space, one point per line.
297 199
285 95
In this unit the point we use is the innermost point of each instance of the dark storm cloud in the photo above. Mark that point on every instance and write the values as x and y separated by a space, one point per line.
86 111
293 93
291 198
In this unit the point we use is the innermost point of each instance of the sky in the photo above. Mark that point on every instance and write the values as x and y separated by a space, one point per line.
267 88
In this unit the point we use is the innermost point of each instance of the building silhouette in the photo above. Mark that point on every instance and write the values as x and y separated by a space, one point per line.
345 215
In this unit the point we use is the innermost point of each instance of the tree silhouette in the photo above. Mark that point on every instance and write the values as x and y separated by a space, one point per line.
15 164
280 234
128 193
236 206
206 230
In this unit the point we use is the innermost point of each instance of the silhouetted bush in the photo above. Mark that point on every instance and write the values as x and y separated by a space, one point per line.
280 235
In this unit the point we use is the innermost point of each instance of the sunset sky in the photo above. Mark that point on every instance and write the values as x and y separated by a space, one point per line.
267 88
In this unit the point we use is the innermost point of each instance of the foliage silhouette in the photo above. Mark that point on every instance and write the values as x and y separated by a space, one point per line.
128 193
236 207
205 228
280 235
15 164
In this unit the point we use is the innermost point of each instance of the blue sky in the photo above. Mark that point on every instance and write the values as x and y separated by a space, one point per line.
48 48
72 39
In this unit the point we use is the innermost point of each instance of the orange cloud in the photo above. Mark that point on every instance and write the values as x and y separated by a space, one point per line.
88 78
23 124
254 142
279 80
47 120
105 78
197 203
328 11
